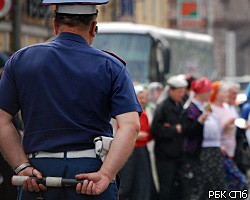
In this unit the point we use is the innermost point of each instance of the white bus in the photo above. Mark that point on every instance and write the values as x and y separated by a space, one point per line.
153 54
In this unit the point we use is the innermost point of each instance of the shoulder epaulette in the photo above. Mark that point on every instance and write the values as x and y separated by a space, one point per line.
116 56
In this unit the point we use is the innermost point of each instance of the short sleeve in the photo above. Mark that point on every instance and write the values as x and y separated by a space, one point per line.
8 91
123 98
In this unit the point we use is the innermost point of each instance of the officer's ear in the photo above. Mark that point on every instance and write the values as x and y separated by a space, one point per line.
93 29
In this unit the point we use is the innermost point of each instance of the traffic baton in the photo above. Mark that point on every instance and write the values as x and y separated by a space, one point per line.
48 181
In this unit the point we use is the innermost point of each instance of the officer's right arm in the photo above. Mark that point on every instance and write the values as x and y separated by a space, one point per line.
121 148
122 144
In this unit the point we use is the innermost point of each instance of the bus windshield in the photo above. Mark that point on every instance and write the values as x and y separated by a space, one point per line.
135 49
194 57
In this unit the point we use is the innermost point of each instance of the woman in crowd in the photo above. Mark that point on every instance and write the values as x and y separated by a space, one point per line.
136 176
155 90
234 177
202 140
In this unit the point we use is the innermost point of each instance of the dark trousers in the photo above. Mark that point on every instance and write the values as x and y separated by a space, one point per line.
67 168
170 179
136 177
188 174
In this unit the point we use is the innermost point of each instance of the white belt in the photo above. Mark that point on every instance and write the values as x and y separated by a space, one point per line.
89 153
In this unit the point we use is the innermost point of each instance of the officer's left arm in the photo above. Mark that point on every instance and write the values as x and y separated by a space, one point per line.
10 142
11 148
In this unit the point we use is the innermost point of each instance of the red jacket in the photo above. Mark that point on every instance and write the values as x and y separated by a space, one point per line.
144 127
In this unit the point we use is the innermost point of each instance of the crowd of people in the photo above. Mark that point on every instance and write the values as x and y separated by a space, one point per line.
197 144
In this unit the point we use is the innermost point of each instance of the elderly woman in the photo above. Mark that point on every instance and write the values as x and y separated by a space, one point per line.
136 176
154 89
202 140
234 177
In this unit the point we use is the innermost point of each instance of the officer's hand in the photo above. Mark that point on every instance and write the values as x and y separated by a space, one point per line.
93 184
30 184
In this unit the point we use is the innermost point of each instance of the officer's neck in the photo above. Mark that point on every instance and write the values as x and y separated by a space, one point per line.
82 33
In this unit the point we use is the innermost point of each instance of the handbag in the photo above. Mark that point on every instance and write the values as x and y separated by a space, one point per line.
235 179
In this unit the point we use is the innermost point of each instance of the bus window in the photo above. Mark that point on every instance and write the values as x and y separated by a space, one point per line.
135 49
194 57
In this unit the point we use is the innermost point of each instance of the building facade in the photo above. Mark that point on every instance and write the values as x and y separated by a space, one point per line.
139 11
228 21
26 23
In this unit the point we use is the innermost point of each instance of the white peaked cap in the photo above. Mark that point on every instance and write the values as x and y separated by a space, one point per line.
75 7
138 89
154 85
177 81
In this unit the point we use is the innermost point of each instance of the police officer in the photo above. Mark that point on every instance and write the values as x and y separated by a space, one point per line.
67 92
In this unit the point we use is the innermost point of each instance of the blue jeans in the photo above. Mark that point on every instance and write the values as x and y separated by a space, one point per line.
67 168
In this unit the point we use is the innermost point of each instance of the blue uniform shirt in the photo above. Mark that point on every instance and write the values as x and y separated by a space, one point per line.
67 92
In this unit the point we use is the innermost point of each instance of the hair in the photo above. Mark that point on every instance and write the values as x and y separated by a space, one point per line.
219 86
190 79
216 87
231 84
74 20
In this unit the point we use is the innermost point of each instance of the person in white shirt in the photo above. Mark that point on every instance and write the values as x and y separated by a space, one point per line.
219 104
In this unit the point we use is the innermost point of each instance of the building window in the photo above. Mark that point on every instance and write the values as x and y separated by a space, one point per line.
127 7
